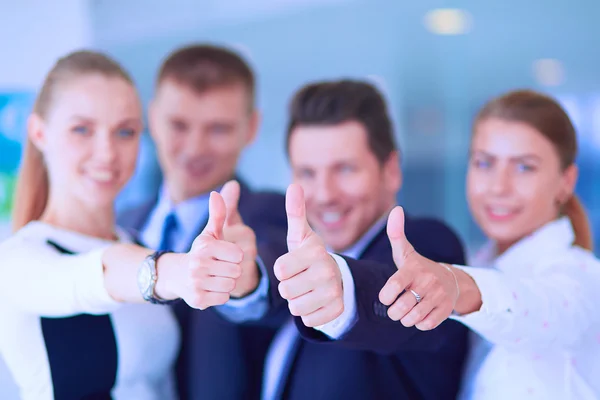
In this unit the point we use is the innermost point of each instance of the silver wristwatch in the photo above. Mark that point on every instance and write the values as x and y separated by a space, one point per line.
147 277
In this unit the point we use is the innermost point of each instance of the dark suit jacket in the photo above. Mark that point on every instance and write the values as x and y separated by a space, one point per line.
220 360
379 358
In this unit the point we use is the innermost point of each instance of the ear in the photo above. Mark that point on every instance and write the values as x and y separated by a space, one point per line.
392 173
569 180
36 131
253 124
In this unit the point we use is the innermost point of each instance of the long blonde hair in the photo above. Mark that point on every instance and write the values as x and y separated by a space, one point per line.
545 115
32 189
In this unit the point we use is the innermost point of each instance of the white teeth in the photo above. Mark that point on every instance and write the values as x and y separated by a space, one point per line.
501 212
331 217
102 176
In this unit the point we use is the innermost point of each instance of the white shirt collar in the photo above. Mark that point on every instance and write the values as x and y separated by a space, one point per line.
190 213
554 238
71 240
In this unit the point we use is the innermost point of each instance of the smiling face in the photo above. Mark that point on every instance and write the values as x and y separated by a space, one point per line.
346 188
199 136
515 181
90 139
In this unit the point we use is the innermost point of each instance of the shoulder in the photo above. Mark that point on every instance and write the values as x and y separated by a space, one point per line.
578 261
32 233
263 207
434 239
27 241
132 218
263 198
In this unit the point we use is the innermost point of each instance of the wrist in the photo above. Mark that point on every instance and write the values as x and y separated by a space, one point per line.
166 269
469 299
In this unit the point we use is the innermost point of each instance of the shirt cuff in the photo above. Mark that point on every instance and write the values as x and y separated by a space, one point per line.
89 285
250 307
497 299
338 327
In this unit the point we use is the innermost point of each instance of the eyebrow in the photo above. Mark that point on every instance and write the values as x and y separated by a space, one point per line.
82 118
127 121
521 157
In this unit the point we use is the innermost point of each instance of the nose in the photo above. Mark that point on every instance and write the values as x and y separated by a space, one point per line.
105 148
196 144
500 182
326 190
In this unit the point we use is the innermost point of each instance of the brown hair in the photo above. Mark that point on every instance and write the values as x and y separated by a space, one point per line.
545 115
205 67
336 102
32 189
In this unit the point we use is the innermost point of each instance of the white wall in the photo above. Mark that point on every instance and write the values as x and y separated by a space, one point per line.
33 34
157 18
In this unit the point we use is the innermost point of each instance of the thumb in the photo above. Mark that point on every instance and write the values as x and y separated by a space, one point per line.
295 208
231 196
216 216
401 248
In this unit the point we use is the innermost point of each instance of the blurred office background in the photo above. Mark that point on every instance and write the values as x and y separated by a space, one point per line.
436 61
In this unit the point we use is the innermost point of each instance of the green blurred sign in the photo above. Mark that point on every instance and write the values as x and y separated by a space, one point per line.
14 108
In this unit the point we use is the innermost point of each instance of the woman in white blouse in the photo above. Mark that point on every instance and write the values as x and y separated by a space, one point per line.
68 271
533 304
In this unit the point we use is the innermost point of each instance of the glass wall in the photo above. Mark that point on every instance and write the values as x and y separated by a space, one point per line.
436 61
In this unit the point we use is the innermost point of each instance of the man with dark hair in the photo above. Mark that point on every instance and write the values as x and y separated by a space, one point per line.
201 118
341 343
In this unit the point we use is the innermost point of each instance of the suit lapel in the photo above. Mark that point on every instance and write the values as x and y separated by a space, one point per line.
136 219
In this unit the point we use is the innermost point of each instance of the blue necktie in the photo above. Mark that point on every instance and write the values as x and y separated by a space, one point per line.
169 228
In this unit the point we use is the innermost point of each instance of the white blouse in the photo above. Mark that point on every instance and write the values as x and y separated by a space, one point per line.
41 285
539 325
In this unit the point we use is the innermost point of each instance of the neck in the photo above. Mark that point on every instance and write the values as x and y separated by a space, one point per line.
501 247
82 219
362 235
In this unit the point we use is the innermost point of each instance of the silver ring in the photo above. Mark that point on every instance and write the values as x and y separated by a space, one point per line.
417 296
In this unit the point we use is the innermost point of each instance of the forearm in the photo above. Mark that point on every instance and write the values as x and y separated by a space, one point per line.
532 312
121 264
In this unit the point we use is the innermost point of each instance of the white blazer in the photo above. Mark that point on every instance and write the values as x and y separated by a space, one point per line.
539 326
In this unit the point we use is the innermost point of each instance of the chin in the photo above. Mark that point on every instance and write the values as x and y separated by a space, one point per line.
502 234
337 243
101 199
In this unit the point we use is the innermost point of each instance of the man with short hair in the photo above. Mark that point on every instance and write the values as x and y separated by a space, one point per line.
342 344
201 118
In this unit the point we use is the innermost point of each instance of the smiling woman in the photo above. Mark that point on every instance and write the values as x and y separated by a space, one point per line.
533 301
68 270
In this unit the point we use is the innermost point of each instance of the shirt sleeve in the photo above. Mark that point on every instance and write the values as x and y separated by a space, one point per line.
554 307
38 280
251 307
344 322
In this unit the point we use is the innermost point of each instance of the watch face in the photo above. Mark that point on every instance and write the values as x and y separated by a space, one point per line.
144 278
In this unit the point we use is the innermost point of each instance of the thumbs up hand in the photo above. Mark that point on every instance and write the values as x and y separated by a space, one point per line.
310 279
235 231
213 263
430 288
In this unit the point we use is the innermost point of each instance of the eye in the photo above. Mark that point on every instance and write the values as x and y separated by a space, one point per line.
304 174
220 129
81 130
347 168
126 132
481 163
522 167
179 126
